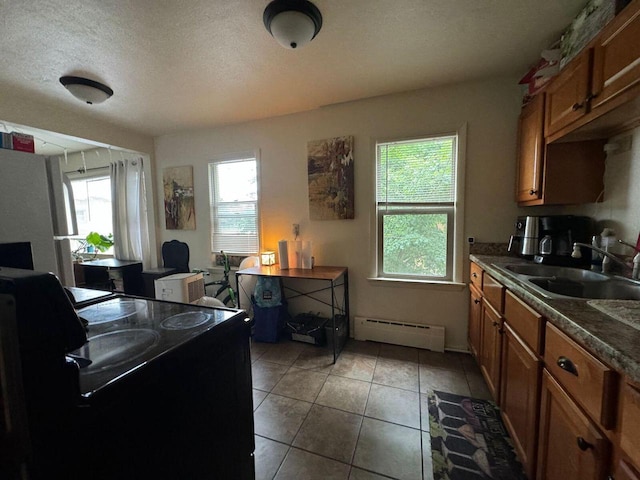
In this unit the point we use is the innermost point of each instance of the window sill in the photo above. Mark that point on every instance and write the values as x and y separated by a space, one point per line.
430 284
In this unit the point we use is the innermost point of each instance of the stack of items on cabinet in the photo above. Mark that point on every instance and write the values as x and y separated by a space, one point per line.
17 141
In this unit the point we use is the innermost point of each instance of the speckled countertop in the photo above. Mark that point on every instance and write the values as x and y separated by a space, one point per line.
613 341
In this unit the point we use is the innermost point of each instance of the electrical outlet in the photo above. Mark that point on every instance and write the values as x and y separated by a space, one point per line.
471 240
296 229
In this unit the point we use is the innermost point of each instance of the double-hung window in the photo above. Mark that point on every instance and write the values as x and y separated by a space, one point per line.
416 201
93 206
233 193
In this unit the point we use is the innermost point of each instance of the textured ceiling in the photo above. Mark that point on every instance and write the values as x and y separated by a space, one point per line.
179 65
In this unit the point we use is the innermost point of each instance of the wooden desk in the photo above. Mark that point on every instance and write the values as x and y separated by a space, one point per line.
121 276
334 276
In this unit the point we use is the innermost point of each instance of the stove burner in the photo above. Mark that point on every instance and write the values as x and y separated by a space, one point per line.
184 321
115 348
112 310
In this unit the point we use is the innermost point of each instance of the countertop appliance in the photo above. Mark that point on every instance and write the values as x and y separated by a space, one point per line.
151 389
557 235
524 240
38 207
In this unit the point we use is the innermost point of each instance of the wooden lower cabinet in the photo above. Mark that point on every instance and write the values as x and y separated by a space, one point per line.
475 317
570 446
625 471
519 393
491 344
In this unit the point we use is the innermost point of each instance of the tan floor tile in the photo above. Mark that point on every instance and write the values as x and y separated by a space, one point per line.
427 461
317 358
394 405
424 412
447 360
359 474
449 381
398 352
301 465
395 373
265 375
257 350
268 457
345 394
279 418
329 432
389 449
358 367
300 384
284 353
258 397
478 386
369 349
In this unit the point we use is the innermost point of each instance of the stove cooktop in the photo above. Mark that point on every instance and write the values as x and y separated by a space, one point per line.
125 333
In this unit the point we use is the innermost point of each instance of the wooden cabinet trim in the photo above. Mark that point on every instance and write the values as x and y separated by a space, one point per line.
630 422
493 292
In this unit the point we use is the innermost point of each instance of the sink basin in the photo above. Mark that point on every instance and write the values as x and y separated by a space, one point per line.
577 274
557 282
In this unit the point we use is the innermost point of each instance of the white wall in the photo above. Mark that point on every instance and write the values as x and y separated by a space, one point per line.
490 108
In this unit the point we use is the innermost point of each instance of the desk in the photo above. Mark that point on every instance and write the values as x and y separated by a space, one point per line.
122 276
333 276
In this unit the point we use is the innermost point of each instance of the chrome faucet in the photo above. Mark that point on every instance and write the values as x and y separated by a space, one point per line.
605 267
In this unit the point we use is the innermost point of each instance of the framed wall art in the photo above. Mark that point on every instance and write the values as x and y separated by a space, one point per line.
179 208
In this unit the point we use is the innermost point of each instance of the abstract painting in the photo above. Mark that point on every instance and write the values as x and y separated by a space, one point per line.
331 176
179 209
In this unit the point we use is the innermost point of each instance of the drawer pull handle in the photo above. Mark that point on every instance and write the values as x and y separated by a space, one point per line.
533 192
577 106
583 444
476 301
567 365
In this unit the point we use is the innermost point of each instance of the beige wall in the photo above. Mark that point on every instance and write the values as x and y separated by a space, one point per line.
490 109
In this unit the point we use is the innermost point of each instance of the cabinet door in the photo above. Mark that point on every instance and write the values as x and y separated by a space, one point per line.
630 424
530 151
616 57
569 446
475 313
491 343
519 392
566 99
624 471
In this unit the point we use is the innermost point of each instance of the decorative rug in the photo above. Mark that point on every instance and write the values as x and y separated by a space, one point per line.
469 440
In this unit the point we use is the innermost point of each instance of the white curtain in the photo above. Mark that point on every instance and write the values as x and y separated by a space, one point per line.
130 226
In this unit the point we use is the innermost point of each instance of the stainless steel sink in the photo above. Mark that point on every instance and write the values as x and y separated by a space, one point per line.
558 282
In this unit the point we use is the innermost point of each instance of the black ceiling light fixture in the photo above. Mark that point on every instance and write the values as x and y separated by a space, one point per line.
293 23
86 90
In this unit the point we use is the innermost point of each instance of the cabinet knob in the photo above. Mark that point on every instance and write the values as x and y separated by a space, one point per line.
474 275
591 96
533 192
476 301
495 324
567 365
583 444
577 106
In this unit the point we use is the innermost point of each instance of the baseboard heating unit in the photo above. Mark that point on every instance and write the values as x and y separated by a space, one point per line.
399 333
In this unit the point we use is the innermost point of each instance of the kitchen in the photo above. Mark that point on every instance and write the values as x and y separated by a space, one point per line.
490 107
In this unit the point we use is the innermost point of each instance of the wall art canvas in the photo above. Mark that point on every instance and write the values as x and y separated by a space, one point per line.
331 179
179 209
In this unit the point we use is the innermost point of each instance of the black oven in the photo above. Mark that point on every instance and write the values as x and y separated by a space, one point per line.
129 387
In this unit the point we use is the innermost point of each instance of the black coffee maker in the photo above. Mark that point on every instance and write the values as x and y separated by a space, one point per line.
557 234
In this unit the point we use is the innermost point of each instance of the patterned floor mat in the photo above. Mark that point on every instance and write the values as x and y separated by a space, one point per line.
469 440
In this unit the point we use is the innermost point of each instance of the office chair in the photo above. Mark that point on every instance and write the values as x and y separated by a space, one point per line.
175 254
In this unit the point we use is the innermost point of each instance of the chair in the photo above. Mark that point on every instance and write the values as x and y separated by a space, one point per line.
175 254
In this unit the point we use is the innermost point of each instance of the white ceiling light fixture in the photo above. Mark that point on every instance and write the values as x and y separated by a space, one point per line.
293 23
86 90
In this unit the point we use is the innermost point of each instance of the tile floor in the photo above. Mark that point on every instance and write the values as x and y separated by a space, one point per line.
364 418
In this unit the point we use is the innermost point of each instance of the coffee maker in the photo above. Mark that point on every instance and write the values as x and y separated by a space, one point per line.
557 235
525 239
549 239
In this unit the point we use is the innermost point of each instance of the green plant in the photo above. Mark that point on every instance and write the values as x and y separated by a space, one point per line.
100 243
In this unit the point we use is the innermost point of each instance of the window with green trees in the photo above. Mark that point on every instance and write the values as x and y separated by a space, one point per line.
416 198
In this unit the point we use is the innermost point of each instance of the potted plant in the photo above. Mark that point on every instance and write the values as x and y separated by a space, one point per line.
96 242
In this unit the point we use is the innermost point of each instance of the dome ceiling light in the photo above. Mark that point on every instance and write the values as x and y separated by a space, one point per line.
293 23
86 90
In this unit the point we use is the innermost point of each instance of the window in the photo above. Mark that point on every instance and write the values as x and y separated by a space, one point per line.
92 198
233 191
416 198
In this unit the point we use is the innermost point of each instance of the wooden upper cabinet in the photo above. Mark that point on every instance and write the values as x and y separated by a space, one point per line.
616 59
530 150
568 95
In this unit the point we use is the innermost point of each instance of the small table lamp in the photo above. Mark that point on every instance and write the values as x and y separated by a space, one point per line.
268 258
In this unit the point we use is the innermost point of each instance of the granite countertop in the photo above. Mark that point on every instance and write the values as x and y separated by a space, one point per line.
611 338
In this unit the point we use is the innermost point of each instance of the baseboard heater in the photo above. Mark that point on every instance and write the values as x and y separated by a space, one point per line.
399 333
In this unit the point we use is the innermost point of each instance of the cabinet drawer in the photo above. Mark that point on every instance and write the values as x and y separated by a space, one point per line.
493 292
476 275
590 382
630 424
525 321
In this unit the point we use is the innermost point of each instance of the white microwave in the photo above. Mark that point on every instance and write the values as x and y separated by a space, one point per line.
180 287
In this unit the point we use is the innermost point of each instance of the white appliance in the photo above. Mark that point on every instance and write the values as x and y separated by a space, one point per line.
180 287
36 205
